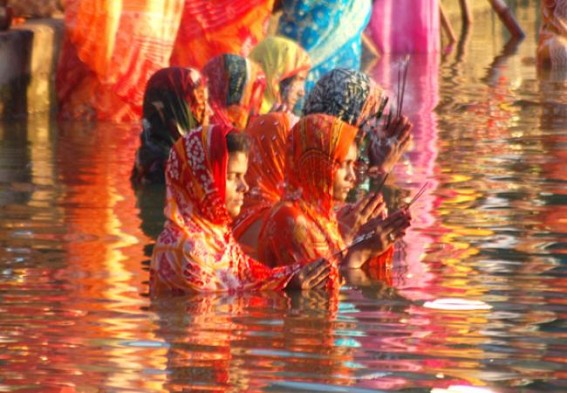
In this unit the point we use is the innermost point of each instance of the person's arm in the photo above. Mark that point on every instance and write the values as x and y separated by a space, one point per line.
507 17
277 6
446 25
369 45
466 12
311 275
352 216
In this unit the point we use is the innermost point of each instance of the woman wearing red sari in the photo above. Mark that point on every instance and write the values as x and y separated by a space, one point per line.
196 250
320 169
286 65
210 28
236 86
268 134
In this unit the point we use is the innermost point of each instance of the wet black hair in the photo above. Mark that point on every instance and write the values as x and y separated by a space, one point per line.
237 142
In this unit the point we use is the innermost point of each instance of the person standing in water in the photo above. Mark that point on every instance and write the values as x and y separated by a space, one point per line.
196 250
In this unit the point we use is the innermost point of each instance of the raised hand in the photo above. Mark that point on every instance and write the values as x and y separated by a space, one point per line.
314 275
388 146
353 216
375 237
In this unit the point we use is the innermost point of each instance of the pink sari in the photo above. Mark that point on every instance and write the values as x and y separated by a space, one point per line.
405 26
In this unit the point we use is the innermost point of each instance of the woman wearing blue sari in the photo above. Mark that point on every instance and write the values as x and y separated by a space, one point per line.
330 30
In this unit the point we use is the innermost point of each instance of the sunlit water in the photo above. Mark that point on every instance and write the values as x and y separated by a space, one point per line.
476 302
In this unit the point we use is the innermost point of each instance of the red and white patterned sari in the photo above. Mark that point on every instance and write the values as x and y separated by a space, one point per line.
196 251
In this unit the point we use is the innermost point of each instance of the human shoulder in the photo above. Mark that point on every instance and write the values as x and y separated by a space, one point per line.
286 210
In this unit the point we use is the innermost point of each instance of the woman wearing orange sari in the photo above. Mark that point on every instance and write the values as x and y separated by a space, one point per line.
110 50
236 86
286 65
319 171
210 28
196 251
268 134
355 98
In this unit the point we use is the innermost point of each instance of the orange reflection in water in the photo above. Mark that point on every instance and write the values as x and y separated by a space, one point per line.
249 341
105 248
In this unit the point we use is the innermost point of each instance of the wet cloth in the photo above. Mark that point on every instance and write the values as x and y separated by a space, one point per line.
304 225
266 164
213 27
351 96
111 48
552 44
175 101
330 31
280 58
405 26
236 86
347 94
196 250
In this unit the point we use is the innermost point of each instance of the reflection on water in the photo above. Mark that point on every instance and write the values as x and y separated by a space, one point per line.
476 300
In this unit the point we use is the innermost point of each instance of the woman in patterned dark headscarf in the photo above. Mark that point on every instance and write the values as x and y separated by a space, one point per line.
236 87
347 94
175 101
355 98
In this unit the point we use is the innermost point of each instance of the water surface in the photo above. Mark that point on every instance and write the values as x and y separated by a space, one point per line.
477 297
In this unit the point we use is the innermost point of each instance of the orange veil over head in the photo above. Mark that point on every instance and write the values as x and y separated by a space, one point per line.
266 165
303 224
